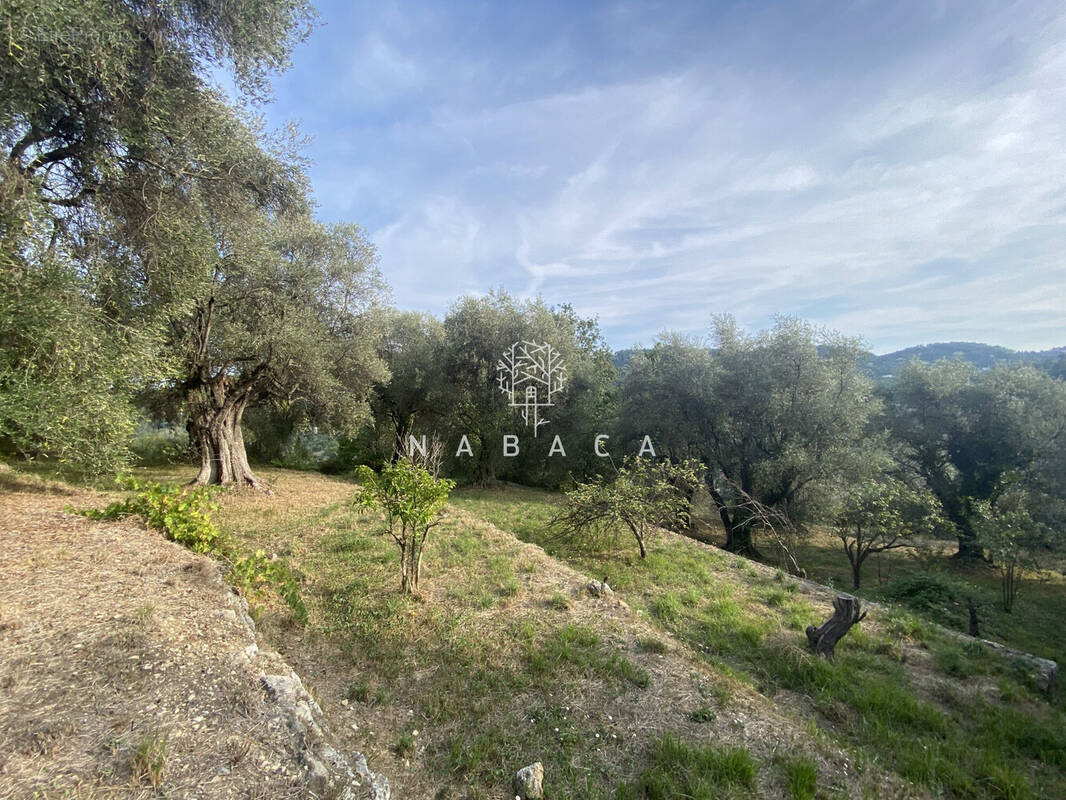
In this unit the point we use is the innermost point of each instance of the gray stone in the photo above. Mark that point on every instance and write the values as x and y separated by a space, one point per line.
529 782
599 589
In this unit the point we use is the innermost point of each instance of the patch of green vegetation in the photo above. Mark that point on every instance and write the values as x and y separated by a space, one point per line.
676 769
405 746
580 648
558 602
149 759
650 644
182 514
752 624
703 714
801 777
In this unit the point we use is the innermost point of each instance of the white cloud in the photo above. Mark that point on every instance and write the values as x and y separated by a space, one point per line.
901 199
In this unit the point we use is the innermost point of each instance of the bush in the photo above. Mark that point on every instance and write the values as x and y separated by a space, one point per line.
411 498
928 591
184 515
255 572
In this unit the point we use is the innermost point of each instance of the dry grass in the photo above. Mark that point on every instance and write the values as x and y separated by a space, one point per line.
460 666
503 659
120 663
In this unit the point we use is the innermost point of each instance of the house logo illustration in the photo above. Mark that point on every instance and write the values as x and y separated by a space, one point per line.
530 374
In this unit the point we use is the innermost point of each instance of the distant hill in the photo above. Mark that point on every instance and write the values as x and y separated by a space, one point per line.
982 356
620 358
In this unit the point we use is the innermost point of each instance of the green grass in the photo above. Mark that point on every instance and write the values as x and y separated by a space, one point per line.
935 587
457 657
678 770
801 777
902 697
956 742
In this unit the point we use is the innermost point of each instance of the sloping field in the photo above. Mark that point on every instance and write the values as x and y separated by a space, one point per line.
129 669
690 681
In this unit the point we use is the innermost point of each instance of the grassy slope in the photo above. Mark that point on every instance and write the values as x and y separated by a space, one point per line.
1036 625
503 661
902 694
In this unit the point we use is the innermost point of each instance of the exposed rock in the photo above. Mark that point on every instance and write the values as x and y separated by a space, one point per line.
1043 671
327 770
599 589
529 782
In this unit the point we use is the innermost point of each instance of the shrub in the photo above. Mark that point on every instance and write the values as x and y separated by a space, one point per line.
255 572
643 495
184 515
927 591
411 498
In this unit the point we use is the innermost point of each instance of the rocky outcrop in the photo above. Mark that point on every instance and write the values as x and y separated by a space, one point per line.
293 714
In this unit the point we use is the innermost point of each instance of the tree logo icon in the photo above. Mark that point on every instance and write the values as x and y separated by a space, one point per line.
530 374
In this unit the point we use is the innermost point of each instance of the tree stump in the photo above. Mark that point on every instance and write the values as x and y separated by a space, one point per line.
846 612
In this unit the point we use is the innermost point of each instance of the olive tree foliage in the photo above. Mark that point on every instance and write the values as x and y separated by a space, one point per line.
776 418
411 499
882 513
409 400
290 318
477 332
108 128
644 494
970 435
1014 536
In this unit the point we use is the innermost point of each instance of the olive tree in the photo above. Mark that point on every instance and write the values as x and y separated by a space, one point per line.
882 514
478 331
111 136
1013 538
644 494
290 317
969 434
776 418
411 498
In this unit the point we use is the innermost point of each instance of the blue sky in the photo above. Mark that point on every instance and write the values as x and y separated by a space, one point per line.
891 170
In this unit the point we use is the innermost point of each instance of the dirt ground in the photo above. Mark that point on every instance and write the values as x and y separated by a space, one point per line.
128 669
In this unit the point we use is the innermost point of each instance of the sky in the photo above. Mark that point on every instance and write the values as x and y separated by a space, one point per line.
891 170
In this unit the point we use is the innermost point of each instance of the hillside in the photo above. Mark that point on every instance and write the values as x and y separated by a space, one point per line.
129 669
982 356
691 680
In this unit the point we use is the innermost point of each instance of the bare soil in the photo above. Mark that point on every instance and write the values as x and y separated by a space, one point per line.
129 669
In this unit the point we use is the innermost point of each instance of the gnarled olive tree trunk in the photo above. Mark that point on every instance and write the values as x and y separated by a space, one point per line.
215 427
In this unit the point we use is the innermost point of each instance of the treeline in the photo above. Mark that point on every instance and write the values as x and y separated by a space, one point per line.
159 256
785 422
157 246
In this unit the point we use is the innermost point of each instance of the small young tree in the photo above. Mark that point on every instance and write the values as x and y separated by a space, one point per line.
411 498
644 494
1012 537
882 514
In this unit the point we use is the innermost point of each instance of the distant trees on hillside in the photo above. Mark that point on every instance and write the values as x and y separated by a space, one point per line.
971 436
780 415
